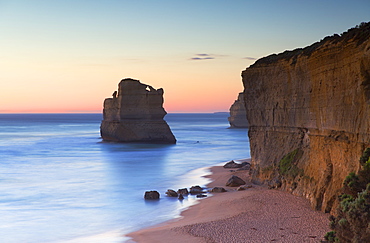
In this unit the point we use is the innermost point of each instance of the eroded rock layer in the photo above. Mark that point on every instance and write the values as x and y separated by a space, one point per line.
309 115
238 117
135 114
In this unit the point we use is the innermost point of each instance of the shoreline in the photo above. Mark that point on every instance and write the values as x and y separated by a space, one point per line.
256 214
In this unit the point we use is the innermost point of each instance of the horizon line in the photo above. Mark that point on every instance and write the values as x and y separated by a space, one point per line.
175 112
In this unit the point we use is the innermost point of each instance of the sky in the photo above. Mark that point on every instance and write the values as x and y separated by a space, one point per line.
69 55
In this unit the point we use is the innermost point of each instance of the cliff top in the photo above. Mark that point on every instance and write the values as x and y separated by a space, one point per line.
358 34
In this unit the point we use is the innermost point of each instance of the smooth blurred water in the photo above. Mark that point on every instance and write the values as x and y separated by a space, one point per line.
60 183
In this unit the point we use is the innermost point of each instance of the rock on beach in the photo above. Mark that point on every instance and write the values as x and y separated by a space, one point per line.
218 189
235 181
232 164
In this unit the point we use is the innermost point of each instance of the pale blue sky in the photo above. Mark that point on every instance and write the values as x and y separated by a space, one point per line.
81 49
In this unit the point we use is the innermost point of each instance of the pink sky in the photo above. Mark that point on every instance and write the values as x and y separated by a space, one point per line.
68 56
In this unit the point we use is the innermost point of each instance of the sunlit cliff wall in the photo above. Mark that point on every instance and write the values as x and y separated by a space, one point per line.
309 115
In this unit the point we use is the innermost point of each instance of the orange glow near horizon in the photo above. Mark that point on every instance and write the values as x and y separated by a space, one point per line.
56 58
190 86
178 105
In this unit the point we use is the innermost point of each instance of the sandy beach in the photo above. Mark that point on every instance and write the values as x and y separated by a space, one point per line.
255 215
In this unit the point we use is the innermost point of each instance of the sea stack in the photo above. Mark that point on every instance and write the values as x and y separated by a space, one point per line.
238 116
135 114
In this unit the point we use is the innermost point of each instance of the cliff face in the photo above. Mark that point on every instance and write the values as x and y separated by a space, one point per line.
135 114
309 115
238 116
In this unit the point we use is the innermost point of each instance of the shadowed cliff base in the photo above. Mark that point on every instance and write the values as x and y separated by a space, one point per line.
135 114
308 112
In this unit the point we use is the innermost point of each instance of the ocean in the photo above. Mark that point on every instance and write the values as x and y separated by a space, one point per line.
60 183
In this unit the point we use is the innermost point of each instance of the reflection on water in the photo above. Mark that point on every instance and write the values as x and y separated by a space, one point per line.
60 183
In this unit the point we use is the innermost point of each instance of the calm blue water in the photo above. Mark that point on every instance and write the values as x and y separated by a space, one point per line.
60 183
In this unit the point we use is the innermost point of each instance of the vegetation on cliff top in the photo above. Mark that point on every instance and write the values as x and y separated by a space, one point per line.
352 223
359 34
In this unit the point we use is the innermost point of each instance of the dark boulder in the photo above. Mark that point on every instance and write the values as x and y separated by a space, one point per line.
151 195
235 181
243 188
196 190
183 191
218 189
232 164
171 193
245 166
245 163
181 197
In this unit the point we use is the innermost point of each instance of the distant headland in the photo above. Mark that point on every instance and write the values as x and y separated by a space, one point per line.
238 116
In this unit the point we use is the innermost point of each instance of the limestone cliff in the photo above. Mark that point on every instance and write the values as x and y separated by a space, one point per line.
135 114
238 116
309 115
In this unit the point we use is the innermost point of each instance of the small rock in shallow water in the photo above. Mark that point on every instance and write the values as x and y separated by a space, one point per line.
196 190
183 191
201 195
151 195
181 197
171 193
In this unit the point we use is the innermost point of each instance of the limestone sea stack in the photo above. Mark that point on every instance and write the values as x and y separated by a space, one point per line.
135 114
309 115
238 116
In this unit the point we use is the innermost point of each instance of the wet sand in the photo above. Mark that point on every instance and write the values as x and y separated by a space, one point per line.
255 215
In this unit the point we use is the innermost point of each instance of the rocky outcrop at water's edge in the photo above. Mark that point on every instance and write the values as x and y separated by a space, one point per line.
309 115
